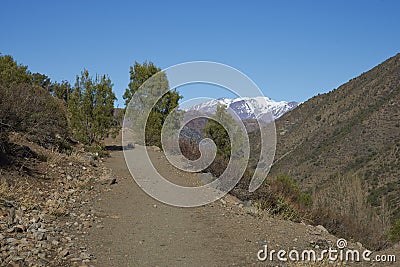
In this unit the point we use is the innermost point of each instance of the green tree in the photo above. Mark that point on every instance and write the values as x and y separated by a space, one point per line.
139 73
41 80
148 98
158 116
216 131
12 73
91 108
62 90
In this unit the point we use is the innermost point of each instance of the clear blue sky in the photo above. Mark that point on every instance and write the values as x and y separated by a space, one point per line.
293 50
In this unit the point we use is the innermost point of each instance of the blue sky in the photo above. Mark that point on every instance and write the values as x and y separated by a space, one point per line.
292 50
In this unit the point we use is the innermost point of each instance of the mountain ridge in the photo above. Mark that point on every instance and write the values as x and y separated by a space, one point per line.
248 107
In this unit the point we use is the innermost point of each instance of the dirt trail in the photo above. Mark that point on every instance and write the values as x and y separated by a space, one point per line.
140 231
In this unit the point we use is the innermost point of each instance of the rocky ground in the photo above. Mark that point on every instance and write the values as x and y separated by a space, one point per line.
46 207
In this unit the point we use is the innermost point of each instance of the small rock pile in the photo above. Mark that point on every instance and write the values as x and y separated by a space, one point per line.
44 217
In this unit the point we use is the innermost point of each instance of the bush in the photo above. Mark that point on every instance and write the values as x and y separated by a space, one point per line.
189 148
394 234
288 189
12 73
33 111
97 150
343 209
282 198
4 146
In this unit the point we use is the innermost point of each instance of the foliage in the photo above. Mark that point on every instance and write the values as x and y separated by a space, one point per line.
289 189
26 107
41 80
33 104
139 73
158 115
283 198
228 146
91 108
355 218
147 98
61 90
33 111
394 233
11 73
215 131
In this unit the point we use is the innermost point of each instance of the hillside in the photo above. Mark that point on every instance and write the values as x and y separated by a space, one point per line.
347 139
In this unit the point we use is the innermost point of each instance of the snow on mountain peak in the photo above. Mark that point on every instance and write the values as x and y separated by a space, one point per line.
248 107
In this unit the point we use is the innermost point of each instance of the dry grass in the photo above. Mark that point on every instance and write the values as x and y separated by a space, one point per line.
19 192
343 209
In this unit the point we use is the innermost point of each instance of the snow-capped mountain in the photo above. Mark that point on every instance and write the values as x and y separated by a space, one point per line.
248 107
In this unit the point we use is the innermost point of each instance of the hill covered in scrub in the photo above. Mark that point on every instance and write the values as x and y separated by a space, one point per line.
337 159
344 148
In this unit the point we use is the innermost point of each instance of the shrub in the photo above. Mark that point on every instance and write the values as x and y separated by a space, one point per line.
288 189
33 111
394 233
4 146
283 198
344 210
189 148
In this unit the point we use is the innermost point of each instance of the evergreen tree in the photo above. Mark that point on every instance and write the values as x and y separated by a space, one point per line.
139 73
41 80
11 73
61 90
91 108
145 97
215 131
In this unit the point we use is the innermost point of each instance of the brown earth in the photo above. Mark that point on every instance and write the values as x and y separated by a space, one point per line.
138 230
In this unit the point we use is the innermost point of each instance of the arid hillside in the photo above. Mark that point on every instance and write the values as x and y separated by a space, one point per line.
344 146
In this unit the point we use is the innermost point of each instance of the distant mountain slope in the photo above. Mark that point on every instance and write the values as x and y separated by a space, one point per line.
346 130
353 131
248 107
